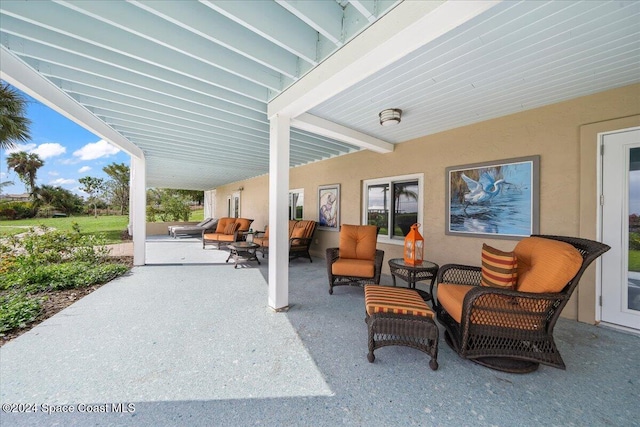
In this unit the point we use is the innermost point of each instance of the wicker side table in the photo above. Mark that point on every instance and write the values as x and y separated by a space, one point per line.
414 273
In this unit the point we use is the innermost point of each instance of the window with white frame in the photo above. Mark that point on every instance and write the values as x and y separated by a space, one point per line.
393 204
296 204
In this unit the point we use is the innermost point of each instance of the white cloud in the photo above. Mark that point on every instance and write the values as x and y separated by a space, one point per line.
95 150
44 151
49 149
62 181
53 173
22 147
84 169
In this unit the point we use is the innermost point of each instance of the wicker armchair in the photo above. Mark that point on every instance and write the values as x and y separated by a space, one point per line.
300 239
356 261
505 329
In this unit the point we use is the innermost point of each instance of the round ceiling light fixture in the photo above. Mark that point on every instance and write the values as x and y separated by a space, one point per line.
390 116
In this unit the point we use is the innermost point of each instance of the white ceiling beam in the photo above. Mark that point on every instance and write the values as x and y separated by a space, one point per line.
273 23
128 105
53 61
324 127
144 115
121 93
149 64
408 26
214 27
124 21
366 8
25 78
323 16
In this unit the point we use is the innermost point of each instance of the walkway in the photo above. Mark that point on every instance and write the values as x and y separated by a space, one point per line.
195 345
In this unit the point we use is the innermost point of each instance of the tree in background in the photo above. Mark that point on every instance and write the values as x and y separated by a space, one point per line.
59 199
193 195
14 125
167 204
26 166
94 187
117 188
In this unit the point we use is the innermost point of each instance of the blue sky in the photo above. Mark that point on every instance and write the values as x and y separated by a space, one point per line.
69 151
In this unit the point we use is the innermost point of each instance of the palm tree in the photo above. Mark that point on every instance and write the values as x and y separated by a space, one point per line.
14 126
26 166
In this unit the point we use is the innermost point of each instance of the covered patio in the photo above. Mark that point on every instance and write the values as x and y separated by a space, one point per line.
196 344
211 94
251 101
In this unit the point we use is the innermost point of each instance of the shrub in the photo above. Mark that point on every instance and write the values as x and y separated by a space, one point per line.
68 275
48 260
41 245
634 241
18 309
16 210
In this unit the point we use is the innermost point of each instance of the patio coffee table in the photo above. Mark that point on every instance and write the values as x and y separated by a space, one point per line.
414 273
243 252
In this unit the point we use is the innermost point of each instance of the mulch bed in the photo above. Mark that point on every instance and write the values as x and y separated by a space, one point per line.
56 301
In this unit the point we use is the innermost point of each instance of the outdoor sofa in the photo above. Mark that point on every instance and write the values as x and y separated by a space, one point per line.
228 230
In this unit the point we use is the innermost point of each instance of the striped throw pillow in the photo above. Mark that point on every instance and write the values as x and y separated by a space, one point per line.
499 268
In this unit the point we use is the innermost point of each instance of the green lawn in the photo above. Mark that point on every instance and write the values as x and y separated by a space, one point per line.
634 260
111 227
197 215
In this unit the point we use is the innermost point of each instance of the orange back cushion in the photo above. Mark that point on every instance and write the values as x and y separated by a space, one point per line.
545 265
244 223
303 228
358 241
231 228
292 225
499 268
222 224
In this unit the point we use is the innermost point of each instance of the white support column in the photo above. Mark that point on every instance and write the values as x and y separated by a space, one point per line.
138 206
278 212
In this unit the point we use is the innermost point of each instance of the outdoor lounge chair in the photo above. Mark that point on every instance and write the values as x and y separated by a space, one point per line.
356 261
504 319
196 229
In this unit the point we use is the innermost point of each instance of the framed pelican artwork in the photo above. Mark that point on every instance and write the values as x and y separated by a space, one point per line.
499 199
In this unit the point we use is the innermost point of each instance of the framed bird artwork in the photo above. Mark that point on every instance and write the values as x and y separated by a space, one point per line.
499 199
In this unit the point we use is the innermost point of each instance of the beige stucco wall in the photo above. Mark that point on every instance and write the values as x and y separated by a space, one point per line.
555 132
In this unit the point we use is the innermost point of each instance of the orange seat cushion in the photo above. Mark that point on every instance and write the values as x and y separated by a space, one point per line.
545 265
499 268
387 299
358 242
353 267
451 296
262 241
492 309
220 237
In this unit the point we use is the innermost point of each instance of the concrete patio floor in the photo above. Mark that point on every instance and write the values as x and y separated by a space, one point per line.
193 342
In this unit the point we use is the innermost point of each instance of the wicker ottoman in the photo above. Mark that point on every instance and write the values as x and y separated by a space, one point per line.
399 316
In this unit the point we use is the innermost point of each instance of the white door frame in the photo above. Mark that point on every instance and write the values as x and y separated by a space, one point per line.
600 222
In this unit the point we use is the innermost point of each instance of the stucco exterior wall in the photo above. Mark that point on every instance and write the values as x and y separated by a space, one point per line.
554 132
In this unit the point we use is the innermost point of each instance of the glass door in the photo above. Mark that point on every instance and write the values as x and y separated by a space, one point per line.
621 228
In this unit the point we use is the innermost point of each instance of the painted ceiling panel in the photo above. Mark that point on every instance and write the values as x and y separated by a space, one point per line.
189 82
